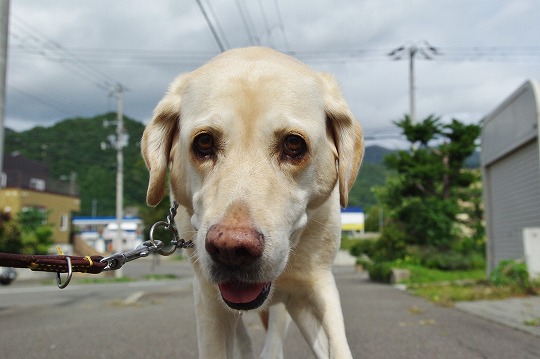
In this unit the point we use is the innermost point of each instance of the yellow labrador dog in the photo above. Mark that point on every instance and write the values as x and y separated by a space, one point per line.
261 151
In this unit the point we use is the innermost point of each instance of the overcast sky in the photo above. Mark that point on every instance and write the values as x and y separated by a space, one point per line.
65 56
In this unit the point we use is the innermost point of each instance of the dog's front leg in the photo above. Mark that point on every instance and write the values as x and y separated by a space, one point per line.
217 327
316 310
278 323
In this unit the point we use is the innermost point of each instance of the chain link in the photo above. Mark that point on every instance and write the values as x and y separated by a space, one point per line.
117 260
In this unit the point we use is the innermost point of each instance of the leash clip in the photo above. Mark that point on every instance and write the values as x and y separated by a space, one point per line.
117 260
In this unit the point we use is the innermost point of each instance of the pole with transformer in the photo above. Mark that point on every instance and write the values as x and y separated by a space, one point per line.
118 142
412 85
427 52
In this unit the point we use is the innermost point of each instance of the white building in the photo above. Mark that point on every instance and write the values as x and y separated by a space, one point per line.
100 232
510 161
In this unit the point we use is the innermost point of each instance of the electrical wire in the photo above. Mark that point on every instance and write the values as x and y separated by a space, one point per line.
244 14
282 27
43 101
167 57
211 26
268 30
222 34
47 47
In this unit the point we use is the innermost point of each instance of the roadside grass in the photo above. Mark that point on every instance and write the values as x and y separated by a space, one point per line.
447 287
448 294
160 276
99 280
423 275
87 279
534 322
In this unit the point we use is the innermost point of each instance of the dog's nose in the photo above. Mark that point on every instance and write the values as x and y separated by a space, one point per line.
234 245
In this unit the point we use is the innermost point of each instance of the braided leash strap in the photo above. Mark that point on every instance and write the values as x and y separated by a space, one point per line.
53 263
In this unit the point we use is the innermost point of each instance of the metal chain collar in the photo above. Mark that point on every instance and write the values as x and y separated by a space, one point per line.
117 260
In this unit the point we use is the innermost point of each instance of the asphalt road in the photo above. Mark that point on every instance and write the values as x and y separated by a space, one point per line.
155 319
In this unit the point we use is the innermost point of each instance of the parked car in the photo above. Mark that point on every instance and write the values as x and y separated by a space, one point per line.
7 275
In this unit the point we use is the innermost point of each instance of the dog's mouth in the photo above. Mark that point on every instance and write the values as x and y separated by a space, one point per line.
243 295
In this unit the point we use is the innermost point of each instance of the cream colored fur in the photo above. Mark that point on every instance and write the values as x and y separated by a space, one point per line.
249 100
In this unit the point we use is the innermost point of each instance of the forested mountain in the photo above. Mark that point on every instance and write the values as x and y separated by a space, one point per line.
73 145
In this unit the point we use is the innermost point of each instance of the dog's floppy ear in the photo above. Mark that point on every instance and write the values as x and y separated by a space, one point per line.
347 134
158 139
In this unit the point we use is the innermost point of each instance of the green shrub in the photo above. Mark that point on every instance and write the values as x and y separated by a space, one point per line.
26 233
451 260
391 245
380 272
511 272
363 247
364 261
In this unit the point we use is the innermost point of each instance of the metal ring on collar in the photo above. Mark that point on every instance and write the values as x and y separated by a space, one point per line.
171 229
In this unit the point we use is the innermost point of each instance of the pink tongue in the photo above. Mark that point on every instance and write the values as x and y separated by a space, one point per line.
240 292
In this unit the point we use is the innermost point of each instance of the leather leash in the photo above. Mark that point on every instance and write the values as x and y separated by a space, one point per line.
53 263
97 264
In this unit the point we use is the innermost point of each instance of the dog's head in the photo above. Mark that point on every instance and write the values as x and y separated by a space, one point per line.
255 141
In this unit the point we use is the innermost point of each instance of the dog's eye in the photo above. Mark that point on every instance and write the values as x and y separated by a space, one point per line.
294 146
204 145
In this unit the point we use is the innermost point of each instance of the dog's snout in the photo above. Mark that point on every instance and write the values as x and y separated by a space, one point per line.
234 245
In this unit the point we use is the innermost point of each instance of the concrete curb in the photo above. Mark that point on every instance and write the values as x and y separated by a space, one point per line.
518 313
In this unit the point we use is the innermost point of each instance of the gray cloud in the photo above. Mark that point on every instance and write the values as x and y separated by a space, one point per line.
145 45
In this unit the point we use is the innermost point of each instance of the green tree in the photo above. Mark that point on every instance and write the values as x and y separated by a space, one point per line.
371 174
431 185
27 234
10 236
373 217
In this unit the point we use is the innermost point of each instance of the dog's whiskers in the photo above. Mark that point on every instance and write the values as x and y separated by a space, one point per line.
195 257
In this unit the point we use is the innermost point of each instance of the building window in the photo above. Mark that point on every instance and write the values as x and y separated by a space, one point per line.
64 222
37 183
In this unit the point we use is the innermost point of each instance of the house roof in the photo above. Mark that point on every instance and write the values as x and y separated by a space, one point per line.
15 161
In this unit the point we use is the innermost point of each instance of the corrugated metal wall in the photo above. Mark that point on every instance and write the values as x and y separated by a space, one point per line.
515 201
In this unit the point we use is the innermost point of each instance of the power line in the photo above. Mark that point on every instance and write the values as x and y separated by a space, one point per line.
266 25
38 44
42 101
244 15
33 40
165 57
211 26
222 34
282 27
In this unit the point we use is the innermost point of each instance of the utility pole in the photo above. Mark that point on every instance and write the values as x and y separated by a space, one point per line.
4 28
120 132
426 51
118 142
412 85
